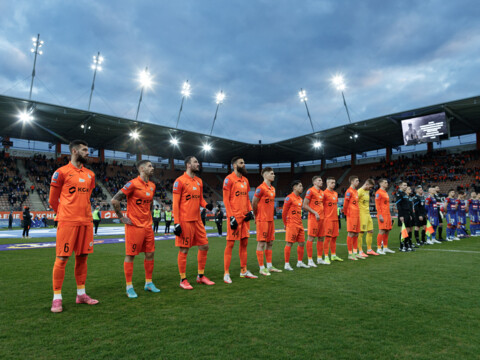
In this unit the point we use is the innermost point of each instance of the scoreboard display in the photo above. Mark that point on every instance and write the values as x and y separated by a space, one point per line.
424 129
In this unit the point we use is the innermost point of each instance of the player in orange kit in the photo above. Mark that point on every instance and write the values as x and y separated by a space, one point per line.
188 226
239 214
263 205
139 235
382 204
352 213
313 203
330 200
292 220
70 191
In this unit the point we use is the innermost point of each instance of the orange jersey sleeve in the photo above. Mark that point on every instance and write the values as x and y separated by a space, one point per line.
266 202
292 211
315 198
382 202
188 197
139 199
350 204
330 200
76 187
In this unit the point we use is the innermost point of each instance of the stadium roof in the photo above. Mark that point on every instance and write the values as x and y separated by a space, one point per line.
55 123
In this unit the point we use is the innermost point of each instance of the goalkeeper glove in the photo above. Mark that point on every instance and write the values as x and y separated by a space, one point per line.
177 229
233 223
209 207
249 216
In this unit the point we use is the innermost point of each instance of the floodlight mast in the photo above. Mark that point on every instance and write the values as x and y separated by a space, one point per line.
339 83
219 99
38 44
303 97
144 78
97 60
185 93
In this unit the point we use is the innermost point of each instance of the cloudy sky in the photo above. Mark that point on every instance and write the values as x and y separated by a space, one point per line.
395 55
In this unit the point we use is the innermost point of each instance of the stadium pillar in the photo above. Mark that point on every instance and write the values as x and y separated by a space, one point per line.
429 147
260 167
478 140
388 154
322 164
292 168
101 155
58 151
353 159
139 157
6 140
172 164
229 168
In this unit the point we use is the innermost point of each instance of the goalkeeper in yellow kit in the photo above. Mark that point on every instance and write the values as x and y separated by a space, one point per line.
366 223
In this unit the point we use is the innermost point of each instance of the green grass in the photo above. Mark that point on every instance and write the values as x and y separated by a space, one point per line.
421 305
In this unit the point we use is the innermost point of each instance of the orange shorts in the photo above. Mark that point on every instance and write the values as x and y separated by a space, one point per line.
265 231
387 222
241 232
138 239
353 224
294 234
74 238
316 228
331 227
193 234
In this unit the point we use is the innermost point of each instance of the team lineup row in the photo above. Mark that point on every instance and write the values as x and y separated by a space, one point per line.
72 184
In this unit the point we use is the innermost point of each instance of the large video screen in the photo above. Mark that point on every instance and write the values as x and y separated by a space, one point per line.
424 129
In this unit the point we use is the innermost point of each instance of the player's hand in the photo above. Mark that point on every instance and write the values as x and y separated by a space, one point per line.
380 217
316 215
249 216
402 219
420 218
177 229
125 220
233 223
209 207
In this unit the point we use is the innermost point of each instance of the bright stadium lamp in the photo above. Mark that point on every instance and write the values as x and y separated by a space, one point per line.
25 117
146 81
338 82
37 43
219 97
207 147
97 61
134 134
317 144
174 141
302 94
186 92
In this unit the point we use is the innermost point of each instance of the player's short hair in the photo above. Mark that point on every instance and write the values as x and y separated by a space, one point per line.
382 180
315 178
295 183
352 178
370 181
461 192
75 144
235 159
331 178
188 159
141 163
402 182
266 169
450 190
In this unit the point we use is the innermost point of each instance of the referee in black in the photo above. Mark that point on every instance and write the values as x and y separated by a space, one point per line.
219 220
419 215
405 215
439 199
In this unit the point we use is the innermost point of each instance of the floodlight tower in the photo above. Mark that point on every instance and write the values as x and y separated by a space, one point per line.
338 83
303 97
97 61
219 97
186 92
37 44
146 82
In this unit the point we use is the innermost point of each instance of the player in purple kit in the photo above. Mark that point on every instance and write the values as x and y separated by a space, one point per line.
462 210
432 214
473 213
451 209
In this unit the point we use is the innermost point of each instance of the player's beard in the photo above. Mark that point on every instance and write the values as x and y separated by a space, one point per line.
242 171
197 171
81 159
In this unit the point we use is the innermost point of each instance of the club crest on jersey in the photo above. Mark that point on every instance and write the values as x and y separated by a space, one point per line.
81 180
175 186
89 176
151 189
127 185
198 183
241 186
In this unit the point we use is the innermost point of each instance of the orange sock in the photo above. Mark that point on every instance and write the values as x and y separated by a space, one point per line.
80 270
128 270
268 256
326 244
319 248
379 240
182 264
349 244
227 255
286 252
58 274
260 258
202 260
385 240
300 252
333 245
309 250
243 254
148 265
355 244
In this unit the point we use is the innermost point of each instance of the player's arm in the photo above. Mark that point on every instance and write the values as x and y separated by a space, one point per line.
378 207
307 207
177 195
203 203
346 203
255 205
55 189
227 186
286 207
116 203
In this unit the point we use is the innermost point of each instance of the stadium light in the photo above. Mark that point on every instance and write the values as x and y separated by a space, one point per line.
303 98
174 141
37 43
25 116
145 80
219 97
317 144
207 147
338 82
97 61
354 137
134 134
186 92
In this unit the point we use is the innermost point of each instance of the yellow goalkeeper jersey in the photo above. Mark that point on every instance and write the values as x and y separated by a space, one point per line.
364 201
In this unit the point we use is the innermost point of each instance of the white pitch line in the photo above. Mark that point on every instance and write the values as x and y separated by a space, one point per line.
458 251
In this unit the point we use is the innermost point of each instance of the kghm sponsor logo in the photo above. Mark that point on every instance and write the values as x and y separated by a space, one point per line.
241 193
74 189
188 197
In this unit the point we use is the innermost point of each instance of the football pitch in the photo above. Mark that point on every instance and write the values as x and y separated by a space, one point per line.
421 305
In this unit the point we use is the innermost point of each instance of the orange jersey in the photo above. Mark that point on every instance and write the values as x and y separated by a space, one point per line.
235 195
292 211
382 202
350 204
187 198
330 200
76 186
266 203
139 201
316 201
